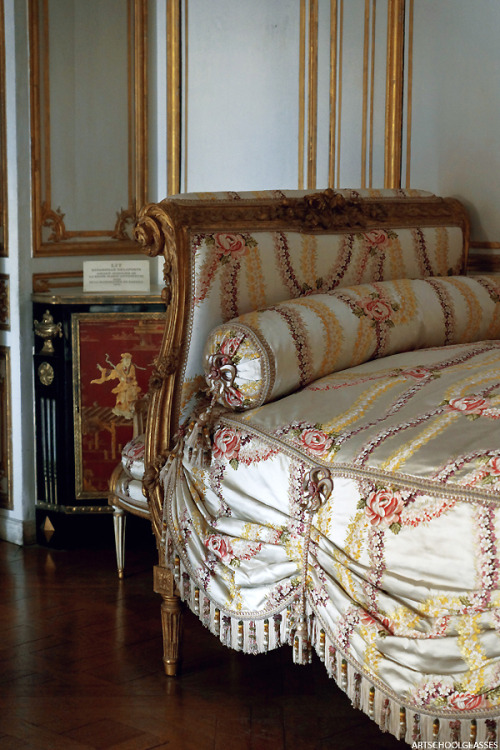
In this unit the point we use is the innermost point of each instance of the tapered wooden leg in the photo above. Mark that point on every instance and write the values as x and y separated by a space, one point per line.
119 527
171 618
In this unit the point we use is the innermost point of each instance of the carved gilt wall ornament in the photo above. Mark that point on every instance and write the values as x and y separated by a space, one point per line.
46 373
54 220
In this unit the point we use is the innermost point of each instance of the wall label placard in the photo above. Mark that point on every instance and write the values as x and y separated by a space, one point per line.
116 276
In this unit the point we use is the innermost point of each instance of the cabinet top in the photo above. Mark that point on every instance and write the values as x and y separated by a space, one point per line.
79 297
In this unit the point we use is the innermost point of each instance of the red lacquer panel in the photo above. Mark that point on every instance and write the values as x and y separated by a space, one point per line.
113 357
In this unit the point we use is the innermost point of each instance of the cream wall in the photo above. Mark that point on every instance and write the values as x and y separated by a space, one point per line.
456 107
241 79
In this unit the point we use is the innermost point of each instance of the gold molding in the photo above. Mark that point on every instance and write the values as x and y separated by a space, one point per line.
302 91
6 500
394 93
312 101
364 124
48 281
4 251
339 94
62 241
485 245
4 302
409 92
333 91
173 95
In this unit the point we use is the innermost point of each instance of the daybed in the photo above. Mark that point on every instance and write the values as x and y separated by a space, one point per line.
322 453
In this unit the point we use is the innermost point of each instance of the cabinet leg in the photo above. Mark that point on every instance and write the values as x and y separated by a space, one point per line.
171 618
119 520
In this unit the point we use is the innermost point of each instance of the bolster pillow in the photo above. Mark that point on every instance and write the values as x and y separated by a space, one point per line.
263 355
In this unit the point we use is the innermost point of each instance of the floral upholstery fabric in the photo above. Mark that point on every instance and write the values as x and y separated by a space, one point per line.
267 354
133 457
401 572
238 272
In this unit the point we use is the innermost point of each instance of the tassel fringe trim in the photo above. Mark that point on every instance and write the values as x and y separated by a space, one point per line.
303 633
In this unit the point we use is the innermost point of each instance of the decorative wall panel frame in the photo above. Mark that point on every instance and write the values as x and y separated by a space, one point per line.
51 235
174 95
396 88
6 498
53 280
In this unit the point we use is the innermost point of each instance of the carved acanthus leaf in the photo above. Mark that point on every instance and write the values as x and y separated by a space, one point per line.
124 219
55 221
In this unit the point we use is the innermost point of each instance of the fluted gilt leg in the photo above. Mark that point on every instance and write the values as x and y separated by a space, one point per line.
119 527
171 618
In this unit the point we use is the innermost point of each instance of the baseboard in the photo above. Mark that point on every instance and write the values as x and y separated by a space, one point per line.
16 531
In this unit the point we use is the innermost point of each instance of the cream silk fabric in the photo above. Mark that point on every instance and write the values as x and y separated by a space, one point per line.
280 349
402 564
236 273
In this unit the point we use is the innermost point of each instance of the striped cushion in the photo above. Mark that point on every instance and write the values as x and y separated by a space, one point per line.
261 356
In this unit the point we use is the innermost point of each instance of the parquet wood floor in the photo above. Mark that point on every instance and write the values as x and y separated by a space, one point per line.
80 669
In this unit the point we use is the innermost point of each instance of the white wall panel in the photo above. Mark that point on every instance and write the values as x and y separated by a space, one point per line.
242 95
456 106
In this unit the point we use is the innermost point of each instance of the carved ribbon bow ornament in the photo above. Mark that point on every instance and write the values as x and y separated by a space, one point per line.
221 374
316 489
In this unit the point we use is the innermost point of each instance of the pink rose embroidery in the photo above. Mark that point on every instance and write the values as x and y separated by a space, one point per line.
376 237
469 404
419 373
494 465
229 346
231 244
376 309
465 701
226 444
315 440
384 507
367 619
232 396
220 547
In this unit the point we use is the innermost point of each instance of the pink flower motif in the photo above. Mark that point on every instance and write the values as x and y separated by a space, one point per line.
229 346
316 441
226 444
376 237
220 547
231 244
494 465
469 404
233 397
376 309
419 373
367 619
466 701
384 507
